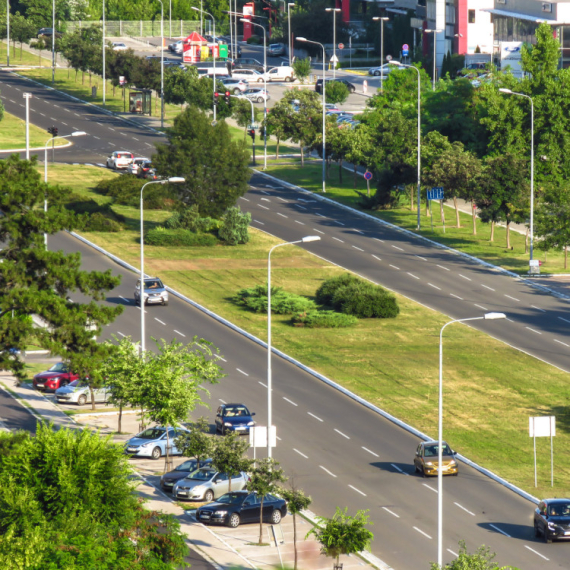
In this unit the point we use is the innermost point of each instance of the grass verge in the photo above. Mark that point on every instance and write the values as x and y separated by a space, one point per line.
13 135
23 57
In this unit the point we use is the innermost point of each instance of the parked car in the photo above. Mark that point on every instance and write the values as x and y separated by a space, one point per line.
207 484
319 85
178 64
474 68
257 95
78 392
144 169
276 49
552 519
251 75
230 51
120 159
168 480
176 47
152 442
233 417
381 70
238 507
235 85
119 46
165 60
56 377
427 456
48 33
281 73
248 63
136 164
151 174
154 292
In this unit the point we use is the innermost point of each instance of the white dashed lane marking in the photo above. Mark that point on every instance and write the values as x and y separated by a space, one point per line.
158 321
178 332
242 372
391 512
462 507
434 286
371 452
343 435
487 287
357 490
357 248
499 530
456 296
329 472
463 276
316 417
290 401
539 554
301 454
513 298
422 532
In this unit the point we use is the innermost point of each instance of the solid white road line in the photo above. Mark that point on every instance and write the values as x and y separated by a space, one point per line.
325 469
499 530
301 454
391 512
487 287
513 298
159 321
412 275
290 401
371 452
457 296
343 435
316 417
178 332
422 532
532 550
532 330
357 490
357 248
468 279
461 507
242 372
434 286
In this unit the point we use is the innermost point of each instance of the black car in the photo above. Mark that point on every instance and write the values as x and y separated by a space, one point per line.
233 417
144 169
168 480
319 85
552 519
248 63
48 33
238 507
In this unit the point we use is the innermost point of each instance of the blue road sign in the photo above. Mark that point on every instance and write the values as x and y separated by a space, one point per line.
368 175
405 49
435 193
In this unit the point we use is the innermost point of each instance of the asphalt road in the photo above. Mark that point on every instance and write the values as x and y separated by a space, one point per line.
337 450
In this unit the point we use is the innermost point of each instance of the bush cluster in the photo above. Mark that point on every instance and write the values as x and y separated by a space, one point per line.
95 217
99 222
234 228
282 303
189 219
126 190
324 319
166 237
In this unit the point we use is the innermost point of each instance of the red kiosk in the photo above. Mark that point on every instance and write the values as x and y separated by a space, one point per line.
192 48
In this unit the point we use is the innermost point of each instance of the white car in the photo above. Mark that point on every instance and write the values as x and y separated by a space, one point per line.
120 159
381 70
135 165
281 73
250 75
256 95
176 47
119 46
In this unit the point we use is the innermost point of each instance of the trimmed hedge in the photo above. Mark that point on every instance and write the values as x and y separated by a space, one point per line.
282 303
126 190
98 222
326 291
324 319
164 237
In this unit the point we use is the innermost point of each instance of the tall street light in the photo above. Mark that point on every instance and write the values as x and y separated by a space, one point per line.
214 54
289 6
419 134
161 64
52 43
487 316
306 239
324 100
103 53
334 11
172 180
381 19
264 86
73 134
434 32
27 97
509 92
7 33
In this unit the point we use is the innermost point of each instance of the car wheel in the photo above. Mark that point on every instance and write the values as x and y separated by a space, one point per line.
547 537
536 530
236 91
82 400
276 517
422 472
156 453
260 80
376 73
234 520
288 79
260 99
165 304
209 496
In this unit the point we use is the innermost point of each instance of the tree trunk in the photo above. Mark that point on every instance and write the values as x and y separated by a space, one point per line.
302 155
92 397
21 45
442 215
411 198
83 78
355 174
141 425
229 482
340 170
295 539
261 522
167 463
277 149
508 235
492 231
456 212
565 259
119 423
474 216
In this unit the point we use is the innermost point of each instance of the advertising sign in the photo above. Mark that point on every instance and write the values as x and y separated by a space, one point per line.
511 56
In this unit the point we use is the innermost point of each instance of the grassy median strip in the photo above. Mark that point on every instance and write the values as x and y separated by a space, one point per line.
23 57
13 136
490 388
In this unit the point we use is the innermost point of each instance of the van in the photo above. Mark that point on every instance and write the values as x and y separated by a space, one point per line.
282 73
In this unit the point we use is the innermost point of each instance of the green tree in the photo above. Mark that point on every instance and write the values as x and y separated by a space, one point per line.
228 456
176 374
21 30
235 225
342 533
215 167
481 560
265 479
336 92
360 148
277 122
241 112
302 68
297 502
197 443
36 281
39 44
552 221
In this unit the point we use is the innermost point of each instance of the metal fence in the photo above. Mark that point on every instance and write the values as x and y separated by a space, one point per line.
141 28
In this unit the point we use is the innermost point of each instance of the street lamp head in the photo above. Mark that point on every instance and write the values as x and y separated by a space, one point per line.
457 35
244 20
290 3
194 8
505 90
397 63
176 179
493 316
432 31
381 18
301 39
78 133
333 10
307 239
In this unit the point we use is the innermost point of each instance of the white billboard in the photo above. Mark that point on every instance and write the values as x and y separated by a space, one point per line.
511 55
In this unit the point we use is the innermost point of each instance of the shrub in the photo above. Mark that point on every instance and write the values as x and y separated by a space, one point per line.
234 228
98 222
256 40
166 237
326 291
282 303
365 300
324 319
126 190
189 219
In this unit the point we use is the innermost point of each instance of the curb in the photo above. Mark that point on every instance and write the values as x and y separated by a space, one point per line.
66 145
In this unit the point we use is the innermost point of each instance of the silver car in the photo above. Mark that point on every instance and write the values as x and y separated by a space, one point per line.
207 484
155 292
152 442
77 392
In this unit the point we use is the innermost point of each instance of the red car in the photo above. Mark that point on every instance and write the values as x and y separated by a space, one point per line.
56 377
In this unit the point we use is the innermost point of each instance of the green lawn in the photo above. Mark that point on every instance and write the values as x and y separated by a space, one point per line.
22 57
392 363
13 135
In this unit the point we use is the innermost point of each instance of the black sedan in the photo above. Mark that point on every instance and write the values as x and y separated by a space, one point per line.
552 519
238 507
319 85
168 480
234 417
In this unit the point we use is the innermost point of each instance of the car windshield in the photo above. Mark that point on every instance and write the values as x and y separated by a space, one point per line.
559 509
79 383
59 367
187 465
153 284
235 411
432 450
232 498
151 433
201 475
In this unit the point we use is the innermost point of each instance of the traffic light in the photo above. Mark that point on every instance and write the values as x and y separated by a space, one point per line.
228 97
216 96
53 131
251 133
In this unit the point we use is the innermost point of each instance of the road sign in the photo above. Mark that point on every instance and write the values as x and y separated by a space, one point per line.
435 193
388 58
405 50
253 126
334 59
368 175
122 80
340 46
406 47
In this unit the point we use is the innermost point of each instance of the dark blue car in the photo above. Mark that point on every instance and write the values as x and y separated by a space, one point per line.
234 417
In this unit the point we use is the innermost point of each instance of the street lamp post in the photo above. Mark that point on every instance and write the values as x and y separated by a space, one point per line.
7 33
434 32
324 100
382 19
487 316
172 180
419 134
103 53
161 64
306 239
334 11
214 54
27 97
289 5
509 92
73 134
52 43
264 86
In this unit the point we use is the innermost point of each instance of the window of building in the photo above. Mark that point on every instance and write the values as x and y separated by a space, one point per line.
547 7
471 16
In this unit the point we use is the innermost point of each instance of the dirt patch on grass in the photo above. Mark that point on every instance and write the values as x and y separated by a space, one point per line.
215 264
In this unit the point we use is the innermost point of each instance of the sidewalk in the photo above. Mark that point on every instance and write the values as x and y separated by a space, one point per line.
222 547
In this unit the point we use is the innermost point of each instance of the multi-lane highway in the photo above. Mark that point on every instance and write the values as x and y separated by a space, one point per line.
337 450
